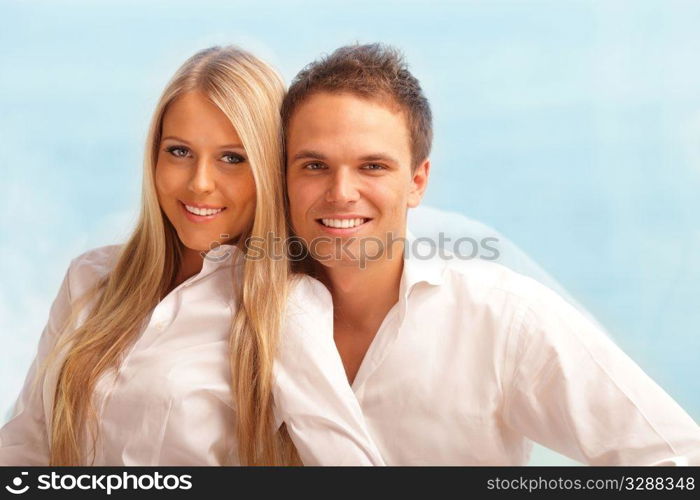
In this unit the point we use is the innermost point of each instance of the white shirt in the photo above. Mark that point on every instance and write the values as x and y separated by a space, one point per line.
476 361
170 403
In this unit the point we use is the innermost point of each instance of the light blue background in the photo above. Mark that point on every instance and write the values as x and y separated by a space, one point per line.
572 127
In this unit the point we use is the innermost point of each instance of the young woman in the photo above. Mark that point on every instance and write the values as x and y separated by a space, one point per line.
160 351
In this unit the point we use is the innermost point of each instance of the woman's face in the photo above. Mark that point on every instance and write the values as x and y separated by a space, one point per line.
203 179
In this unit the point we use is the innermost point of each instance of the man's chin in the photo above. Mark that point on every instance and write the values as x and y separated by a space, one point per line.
358 255
342 264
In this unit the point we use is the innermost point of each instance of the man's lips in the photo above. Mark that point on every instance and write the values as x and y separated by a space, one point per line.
342 222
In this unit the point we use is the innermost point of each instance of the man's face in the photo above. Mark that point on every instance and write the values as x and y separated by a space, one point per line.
349 176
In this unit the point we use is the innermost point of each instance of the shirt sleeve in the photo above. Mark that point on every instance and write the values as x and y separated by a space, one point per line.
24 438
312 394
573 390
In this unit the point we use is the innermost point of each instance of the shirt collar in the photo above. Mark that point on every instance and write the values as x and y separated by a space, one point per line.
421 264
224 255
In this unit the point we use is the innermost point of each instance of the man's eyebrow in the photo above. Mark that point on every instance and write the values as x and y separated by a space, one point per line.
308 154
380 157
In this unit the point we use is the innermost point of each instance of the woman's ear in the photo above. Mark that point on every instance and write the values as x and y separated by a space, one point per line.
419 182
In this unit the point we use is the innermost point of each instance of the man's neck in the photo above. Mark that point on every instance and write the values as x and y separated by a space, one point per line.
361 300
363 297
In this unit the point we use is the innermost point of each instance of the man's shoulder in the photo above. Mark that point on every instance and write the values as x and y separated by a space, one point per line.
489 283
484 279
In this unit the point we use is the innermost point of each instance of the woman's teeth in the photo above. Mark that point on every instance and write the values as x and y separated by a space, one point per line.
343 223
203 211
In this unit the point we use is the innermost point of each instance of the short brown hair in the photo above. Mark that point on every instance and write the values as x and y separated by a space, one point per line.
370 71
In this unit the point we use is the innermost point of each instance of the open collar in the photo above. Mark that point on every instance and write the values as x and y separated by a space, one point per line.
422 263
224 255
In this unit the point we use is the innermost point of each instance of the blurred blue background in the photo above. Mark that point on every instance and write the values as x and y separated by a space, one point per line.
572 127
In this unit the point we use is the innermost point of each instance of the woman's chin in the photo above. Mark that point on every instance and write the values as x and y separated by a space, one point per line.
200 244
199 240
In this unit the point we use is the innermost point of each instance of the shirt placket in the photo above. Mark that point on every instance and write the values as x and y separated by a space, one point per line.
387 334
378 349
161 317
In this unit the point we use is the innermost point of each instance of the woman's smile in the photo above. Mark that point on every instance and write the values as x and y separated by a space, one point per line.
199 213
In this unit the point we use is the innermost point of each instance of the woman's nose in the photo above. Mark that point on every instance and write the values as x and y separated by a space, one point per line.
202 180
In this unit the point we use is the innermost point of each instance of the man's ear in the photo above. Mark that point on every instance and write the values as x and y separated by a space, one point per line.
419 182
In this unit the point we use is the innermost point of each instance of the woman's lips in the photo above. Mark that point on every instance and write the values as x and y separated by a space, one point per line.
200 218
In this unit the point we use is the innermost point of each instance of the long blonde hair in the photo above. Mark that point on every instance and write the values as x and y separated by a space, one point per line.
250 93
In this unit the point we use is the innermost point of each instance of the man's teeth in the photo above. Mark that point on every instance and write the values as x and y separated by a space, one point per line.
203 211
343 223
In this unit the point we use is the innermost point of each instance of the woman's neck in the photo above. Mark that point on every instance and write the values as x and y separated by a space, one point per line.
190 264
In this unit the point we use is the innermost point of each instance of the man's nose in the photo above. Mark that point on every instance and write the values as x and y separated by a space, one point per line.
343 187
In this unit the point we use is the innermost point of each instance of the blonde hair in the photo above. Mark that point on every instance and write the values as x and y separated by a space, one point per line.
250 93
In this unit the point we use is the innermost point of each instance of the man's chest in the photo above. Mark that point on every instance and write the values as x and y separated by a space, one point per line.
352 345
432 396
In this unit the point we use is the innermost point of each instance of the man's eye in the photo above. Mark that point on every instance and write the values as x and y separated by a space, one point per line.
178 151
373 166
232 158
314 166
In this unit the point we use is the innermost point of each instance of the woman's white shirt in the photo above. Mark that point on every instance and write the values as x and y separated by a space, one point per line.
169 402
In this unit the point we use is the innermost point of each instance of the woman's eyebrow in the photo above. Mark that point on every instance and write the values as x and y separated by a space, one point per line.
174 138
225 146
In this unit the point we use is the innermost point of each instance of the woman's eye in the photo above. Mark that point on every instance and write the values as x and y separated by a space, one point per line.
178 151
232 158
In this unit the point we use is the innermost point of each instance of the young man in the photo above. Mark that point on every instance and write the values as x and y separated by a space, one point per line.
453 361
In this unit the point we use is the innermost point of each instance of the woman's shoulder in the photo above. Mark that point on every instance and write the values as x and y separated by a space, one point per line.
309 311
305 289
90 266
99 260
308 297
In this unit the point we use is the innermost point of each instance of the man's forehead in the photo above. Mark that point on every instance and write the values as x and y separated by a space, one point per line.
347 100
346 121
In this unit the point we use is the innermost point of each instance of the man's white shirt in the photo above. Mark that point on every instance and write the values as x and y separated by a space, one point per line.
476 361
